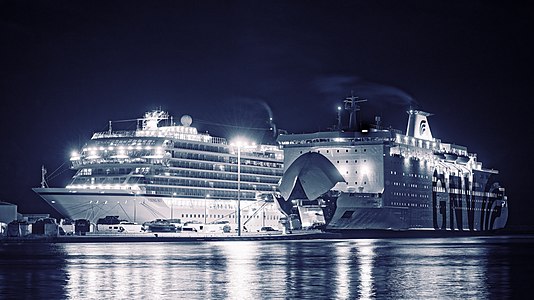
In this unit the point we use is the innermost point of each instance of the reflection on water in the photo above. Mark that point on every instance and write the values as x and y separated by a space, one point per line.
343 269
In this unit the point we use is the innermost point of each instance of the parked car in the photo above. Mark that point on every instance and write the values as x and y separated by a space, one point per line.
267 228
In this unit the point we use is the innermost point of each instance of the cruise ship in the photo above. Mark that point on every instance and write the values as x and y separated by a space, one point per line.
162 170
372 178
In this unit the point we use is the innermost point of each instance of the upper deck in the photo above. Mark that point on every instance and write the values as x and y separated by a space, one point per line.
418 142
372 136
148 126
152 144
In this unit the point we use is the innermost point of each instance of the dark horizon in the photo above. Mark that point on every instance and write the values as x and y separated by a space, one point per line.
70 67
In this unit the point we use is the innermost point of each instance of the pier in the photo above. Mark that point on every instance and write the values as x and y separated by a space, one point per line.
169 237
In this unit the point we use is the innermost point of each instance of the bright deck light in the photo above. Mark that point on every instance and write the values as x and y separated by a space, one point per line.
242 143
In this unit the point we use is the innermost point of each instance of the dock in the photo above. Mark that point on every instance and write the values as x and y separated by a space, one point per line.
296 235
178 237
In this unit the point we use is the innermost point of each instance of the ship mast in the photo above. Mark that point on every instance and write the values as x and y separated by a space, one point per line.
351 104
43 180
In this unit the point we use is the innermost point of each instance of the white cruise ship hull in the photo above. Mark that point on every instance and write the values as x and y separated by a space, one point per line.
92 205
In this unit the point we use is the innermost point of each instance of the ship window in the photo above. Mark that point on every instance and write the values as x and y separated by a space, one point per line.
347 214
356 161
347 150
327 151
338 151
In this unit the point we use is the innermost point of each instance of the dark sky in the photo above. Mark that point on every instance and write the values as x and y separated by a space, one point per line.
68 67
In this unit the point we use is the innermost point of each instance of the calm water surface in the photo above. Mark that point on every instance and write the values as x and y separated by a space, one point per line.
494 268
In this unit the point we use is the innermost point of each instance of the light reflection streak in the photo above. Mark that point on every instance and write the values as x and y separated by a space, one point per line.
343 271
94 270
348 269
241 272
366 256
434 269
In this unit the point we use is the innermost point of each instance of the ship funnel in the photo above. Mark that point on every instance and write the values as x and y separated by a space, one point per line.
418 126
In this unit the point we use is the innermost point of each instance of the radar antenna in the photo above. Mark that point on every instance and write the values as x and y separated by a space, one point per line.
151 119
351 104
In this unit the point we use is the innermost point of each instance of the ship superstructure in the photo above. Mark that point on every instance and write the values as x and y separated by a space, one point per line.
379 178
166 171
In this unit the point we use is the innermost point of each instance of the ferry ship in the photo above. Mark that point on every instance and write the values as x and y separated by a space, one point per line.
381 179
162 170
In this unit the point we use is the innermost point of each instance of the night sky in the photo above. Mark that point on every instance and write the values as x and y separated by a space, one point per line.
68 67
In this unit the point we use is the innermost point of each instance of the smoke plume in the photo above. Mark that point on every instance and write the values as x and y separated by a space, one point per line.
338 85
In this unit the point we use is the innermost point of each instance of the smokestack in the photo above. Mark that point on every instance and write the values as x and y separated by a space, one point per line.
418 126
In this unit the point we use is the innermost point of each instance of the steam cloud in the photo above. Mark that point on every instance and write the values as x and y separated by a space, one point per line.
334 86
